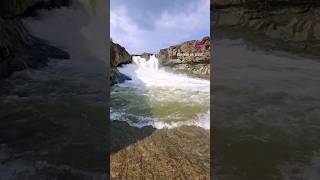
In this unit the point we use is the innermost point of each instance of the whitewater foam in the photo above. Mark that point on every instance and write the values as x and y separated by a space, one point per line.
152 63
82 28
203 121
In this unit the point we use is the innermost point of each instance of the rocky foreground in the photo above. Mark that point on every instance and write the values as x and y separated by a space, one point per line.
148 153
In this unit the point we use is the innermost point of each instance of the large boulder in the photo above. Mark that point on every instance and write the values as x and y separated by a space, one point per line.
191 56
119 56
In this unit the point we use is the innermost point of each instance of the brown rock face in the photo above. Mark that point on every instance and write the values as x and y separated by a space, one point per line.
180 153
191 56
291 21
119 56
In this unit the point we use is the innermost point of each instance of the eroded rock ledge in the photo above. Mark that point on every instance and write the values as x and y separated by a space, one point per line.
187 57
294 22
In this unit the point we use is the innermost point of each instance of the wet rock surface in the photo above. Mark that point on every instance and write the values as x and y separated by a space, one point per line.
148 153
191 57
117 77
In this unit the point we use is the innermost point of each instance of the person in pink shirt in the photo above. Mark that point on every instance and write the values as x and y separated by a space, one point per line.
200 46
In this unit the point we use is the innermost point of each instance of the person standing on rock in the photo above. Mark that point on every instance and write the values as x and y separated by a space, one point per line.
200 46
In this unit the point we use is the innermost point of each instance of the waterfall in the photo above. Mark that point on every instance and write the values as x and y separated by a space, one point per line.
152 63
95 32
139 61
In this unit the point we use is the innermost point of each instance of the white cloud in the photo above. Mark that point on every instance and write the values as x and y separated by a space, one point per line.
169 29
124 31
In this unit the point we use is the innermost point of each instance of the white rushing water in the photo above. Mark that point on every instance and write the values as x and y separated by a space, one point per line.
160 98
143 63
80 31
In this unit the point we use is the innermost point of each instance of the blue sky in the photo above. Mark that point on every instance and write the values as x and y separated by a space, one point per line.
149 25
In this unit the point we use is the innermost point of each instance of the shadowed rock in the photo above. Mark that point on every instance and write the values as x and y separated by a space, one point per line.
119 56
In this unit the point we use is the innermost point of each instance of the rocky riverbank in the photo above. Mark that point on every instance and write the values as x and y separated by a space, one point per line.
191 57
294 24
18 48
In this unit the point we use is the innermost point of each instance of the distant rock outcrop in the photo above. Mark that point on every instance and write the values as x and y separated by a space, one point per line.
19 49
295 22
146 55
191 56
119 56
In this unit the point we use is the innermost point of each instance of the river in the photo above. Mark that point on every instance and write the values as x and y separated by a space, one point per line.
159 98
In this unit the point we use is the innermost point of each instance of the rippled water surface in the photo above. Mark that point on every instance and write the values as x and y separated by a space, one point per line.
266 113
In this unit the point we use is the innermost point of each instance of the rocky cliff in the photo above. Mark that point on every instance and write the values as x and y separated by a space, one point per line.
191 56
119 56
19 49
295 22
146 55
